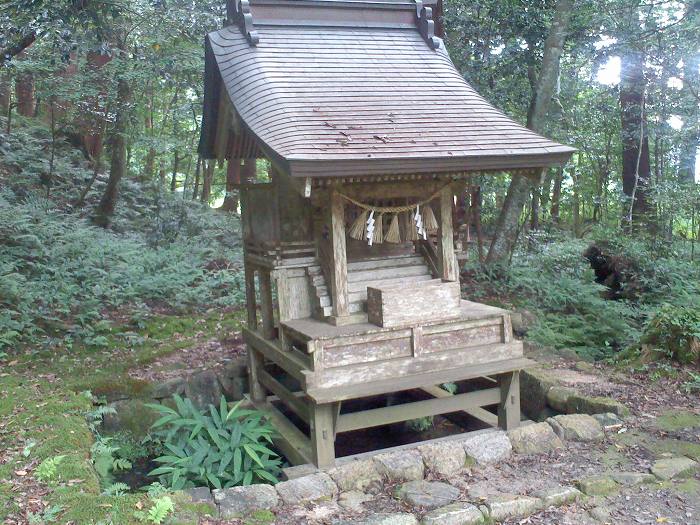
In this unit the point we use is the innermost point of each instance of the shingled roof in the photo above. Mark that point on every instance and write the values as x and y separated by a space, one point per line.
346 88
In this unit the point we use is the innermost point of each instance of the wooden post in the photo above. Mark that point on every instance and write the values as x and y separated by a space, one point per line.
448 262
509 408
251 303
255 367
323 434
339 264
267 311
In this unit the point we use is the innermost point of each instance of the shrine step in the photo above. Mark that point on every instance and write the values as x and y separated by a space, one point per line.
394 262
361 287
387 273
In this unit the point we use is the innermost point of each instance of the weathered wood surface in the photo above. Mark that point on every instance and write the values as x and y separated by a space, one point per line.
289 398
474 411
408 382
406 411
307 329
448 260
392 306
293 294
509 407
339 278
290 440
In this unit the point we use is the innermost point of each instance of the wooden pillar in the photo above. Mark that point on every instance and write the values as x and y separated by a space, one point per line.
323 434
251 302
509 407
448 262
339 264
256 363
266 307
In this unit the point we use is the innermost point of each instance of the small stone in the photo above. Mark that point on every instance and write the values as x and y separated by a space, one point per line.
608 421
454 514
511 506
488 447
200 495
558 496
674 468
579 404
237 502
600 513
577 427
633 478
426 494
361 475
388 518
444 459
534 439
306 489
353 500
597 485
558 397
406 465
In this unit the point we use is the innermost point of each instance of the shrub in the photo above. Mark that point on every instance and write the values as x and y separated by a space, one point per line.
219 448
675 331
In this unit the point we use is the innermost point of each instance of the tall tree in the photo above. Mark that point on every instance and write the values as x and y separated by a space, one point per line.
505 234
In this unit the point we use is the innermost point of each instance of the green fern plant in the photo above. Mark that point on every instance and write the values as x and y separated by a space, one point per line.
48 469
218 447
162 507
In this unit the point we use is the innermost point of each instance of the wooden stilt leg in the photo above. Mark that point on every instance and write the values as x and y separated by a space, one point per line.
509 408
251 306
323 434
268 321
255 365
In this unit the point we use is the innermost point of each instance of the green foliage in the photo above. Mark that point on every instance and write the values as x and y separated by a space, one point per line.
219 447
162 507
106 460
49 515
693 384
48 469
675 330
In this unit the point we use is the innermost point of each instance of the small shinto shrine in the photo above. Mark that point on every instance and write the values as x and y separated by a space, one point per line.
352 279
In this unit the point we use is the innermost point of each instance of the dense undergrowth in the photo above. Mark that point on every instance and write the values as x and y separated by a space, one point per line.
660 286
62 279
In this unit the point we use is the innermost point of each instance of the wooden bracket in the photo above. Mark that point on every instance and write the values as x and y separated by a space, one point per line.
244 19
426 24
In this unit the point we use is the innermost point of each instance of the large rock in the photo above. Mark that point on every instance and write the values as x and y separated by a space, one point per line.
454 514
353 500
558 397
609 421
534 439
169 388
599 485
405 465
577 427
131 415
361 475
674 468
238 502
234 378
445 458
509 506
534 385
204 389
426 494
580 404
633 478
558 496
488 447
308 488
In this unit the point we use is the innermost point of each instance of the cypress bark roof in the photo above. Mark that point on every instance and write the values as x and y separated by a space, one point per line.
335 88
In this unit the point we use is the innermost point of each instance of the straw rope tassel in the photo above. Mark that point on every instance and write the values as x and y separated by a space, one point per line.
359 227
378 234
392 234
429 221
411 232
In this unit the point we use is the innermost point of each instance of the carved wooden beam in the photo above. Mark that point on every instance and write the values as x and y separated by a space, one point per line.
244 19
426 24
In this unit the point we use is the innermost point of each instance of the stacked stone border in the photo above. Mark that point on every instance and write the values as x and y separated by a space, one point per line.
354 480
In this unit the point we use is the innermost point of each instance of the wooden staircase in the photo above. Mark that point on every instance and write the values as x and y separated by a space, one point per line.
396 269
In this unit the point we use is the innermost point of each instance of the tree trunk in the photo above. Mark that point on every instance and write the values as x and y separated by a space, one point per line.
691 130
556 195
475 208
176 166
24 93
4 93
233 178
197 172
118 162
206 184
636 168
505 235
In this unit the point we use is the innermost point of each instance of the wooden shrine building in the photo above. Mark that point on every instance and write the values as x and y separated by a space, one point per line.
352 281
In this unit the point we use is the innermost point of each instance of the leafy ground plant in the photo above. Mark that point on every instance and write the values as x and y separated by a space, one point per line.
218 447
